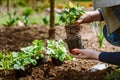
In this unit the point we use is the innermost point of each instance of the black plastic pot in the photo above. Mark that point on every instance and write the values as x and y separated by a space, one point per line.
74 43
57 62
7 75
24 73
41 61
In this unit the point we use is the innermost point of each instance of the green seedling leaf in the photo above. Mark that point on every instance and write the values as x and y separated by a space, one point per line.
56 49
70 5
46 21
71 13
62 18
27 11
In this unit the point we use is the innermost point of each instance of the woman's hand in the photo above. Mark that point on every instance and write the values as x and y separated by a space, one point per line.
85 53
89 17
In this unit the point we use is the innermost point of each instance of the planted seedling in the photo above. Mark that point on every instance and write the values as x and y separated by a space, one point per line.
35 51
26 12
6 66
22 63
11 19
98 29
57 52
39 50
28 58
6 61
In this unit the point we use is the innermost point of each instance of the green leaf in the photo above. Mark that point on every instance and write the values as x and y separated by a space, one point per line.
46 21
73 10
33 61
16 66
70 5
62 18
68 57
27 11
1 55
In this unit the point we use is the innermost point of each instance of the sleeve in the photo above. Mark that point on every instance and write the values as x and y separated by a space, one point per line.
100 11
110 57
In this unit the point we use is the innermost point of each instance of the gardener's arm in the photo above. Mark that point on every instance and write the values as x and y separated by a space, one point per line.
108 57
90 17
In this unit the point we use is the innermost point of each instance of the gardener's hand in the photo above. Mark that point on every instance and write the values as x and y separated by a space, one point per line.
85 53
89 17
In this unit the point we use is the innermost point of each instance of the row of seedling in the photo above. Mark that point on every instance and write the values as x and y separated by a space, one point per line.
23 61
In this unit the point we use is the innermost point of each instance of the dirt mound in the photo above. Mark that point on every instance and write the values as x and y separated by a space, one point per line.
13 38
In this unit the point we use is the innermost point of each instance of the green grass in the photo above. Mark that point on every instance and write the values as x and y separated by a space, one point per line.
33 19
36 19
3 18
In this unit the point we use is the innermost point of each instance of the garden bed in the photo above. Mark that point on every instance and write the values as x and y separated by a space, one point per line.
14 38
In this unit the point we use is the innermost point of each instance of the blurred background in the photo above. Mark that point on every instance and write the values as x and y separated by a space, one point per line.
37 9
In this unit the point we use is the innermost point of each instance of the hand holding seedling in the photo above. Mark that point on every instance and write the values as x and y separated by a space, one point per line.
89 17
85 53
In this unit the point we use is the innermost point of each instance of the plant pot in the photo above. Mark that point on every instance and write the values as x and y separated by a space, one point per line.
24 73
74 42
57 62
72 30
7 75
41 61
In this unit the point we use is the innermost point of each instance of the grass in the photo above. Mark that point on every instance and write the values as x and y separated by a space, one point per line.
36 19
33 19
3 18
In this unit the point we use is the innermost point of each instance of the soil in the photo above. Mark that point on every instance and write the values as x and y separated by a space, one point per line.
14 38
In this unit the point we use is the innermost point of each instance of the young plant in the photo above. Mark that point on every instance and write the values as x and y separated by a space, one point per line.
35 50
11 19
113 75
20 60
57 50
27 55
46 20
26 12
98 29
71 13
6 61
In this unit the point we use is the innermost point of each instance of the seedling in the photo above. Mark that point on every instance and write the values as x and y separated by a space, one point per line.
113 75
57 50
26 12
46 20
11 19
6 61
19 60
98 29
34 51
71 13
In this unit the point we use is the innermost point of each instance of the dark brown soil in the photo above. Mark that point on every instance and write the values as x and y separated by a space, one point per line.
13 38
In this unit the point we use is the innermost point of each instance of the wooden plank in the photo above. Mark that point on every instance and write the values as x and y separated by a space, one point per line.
105 3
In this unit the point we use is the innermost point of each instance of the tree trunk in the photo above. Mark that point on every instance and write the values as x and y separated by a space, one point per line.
8 6
0 2
52 26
